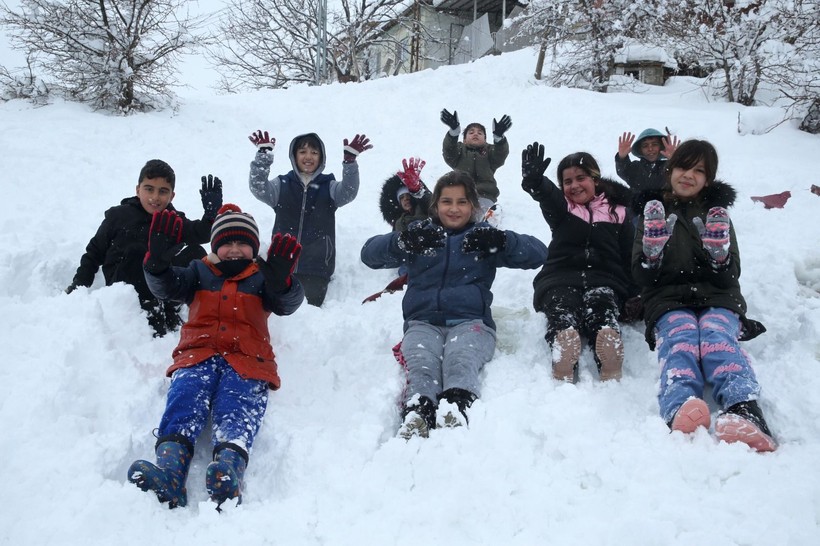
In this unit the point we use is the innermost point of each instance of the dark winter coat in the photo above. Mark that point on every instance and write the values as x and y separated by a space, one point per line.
587 249
391 210
641 175
686 277
451 287
308 213
121 242
228 316
481 163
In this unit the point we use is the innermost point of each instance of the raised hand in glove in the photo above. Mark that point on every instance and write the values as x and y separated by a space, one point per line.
657 229
500 127
282 257
353 148
450 120
262 140
211 194
423 238
411 175
164 241
715 234
484 240
533 166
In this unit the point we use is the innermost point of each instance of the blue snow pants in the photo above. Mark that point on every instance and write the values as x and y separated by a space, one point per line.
236 405
445 357
700 347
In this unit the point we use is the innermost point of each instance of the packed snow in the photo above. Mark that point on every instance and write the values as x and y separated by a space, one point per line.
83 384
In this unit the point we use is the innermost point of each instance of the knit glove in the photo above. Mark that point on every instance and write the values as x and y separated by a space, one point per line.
657 229
422 238
262 140
451 121
500 127
484 240
353 148
411 175
715 234
533 166
211 194
164 241
278 269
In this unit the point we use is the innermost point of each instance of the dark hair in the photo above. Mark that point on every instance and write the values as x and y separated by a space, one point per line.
309 140
157 168
470 126
455 178
689 153
587 163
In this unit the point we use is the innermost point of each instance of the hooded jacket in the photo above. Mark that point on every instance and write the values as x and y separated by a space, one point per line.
121 241
451 287
591 245
642 175
391 210
686 277
307 212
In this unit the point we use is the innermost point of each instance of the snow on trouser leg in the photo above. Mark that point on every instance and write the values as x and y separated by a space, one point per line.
223 477
167 477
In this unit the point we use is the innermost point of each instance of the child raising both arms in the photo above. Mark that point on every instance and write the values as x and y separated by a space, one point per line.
224 363
686 260
449 332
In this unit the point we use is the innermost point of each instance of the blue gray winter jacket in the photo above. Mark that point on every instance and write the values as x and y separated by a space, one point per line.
451 287
308 213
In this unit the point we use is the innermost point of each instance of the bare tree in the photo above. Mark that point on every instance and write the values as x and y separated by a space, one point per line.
117 55
275 44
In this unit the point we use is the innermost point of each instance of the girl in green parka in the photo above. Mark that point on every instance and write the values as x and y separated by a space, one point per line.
687 262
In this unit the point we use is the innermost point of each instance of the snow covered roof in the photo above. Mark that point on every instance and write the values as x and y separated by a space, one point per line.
482 6
636 52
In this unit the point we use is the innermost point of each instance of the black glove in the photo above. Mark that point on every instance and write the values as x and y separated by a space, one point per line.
422 238
533 166
485 240
164 241
450 120
70 288
500 127
211 194
282 257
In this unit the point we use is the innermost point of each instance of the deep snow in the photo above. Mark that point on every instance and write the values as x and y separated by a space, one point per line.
82 384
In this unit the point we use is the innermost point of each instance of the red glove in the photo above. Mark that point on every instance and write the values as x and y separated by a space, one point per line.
410 176
164 241
282 257
263 142
352 149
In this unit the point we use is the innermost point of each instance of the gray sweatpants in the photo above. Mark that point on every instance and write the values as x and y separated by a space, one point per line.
445 357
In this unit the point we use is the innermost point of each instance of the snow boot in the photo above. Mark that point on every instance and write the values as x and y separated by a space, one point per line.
167 477
452 407
223 477
418 418
743 422
566 350
692 414
609 354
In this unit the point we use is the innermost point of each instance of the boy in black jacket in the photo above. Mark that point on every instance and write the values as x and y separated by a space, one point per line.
121 241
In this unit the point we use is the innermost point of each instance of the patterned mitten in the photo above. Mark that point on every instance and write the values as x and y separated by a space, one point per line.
715 234
657 230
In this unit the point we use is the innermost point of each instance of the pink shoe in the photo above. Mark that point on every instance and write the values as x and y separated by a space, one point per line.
732 428
692 414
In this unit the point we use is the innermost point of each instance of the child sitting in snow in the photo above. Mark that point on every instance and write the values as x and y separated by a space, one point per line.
449 332
652 148
224 363
305 201
687 260
586 277
122 239
475 157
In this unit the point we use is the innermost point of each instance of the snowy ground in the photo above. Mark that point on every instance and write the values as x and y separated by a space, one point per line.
82 385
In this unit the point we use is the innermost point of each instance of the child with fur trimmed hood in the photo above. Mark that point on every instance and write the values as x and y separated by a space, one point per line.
404 197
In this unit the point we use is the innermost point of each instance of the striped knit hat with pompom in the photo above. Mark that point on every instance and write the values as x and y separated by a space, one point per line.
232 224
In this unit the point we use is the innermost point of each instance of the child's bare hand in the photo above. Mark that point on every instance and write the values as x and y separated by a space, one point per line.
625 144
670 144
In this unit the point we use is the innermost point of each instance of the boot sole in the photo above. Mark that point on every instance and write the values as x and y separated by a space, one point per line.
734 428
610 351
566 350
692 414
415 426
